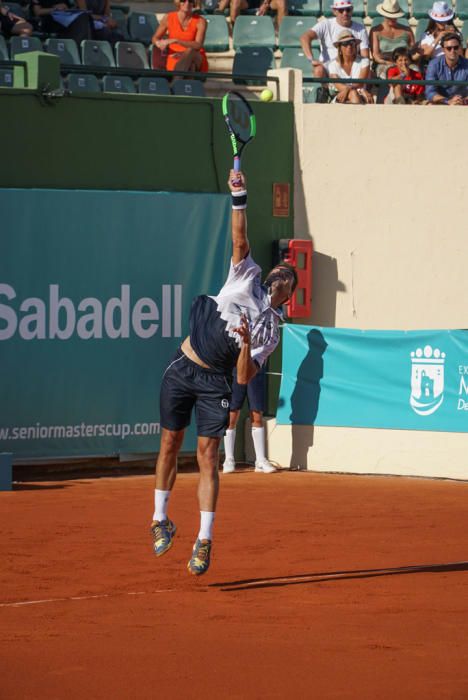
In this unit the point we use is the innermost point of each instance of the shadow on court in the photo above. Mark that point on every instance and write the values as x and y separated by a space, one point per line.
320 577
39 487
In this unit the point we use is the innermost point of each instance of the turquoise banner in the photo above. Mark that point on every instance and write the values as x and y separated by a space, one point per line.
407 380
95 293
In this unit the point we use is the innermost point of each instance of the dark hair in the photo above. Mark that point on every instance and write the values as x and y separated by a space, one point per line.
431 25
449 37
291 268
400 51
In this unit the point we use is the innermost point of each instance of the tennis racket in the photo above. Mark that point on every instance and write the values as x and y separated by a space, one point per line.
240 122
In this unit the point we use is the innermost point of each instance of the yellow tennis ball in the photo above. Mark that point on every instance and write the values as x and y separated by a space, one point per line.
266 95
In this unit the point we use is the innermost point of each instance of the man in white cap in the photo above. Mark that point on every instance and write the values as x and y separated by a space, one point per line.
328 31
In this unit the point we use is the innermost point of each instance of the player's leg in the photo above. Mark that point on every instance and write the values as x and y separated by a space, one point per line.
212 415
176 403
256 394
239 392
281 8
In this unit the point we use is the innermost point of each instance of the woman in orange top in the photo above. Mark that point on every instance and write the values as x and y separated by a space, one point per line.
182 34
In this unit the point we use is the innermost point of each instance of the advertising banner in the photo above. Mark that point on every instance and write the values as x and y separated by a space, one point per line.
406 380
95 293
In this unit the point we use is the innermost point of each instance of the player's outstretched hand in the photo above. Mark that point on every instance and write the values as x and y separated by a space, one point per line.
243 330
237 181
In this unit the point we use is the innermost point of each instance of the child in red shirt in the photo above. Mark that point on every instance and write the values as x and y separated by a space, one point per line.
405 94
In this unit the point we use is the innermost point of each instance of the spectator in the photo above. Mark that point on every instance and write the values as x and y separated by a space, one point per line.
389 35
404 94
13 25
349 65
450 66
57 18
440 23
255 392
328 31
181 34
236 6
104 26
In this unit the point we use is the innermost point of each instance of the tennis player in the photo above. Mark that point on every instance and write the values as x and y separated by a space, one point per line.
238 328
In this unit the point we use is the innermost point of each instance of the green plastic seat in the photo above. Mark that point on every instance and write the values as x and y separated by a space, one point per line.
24 44
82 82
372 7
121 18
295 58
420 9
420 30
188 88
141 26
131 54
6 77
3 49
311 93
253 31
461 8
217 34
65 49
153 86
291 30
307 8
118 83
252 61
97 53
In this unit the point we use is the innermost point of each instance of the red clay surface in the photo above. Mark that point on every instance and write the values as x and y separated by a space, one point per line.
321 586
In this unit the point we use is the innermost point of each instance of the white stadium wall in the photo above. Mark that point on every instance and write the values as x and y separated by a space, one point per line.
382 192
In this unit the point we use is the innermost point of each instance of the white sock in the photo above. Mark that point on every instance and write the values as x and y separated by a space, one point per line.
258 437
161 499
229 442
206 525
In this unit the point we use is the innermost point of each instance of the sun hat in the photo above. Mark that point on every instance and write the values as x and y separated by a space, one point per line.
390 9
441 12
341 4
346 35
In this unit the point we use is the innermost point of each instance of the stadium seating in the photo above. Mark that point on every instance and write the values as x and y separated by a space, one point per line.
462 9
217 34
153 86
420 9
118 83
6 77
251 61
420 29
141 26
97 53
131 54
83 82
253 31
24 44
295 58
65 49
311 93
121 18
3 49
402 20
188 88
291 29
309 8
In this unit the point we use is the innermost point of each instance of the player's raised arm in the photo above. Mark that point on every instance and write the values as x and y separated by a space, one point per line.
240 243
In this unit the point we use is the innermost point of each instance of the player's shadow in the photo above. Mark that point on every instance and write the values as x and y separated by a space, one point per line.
330 576
305 399
37 487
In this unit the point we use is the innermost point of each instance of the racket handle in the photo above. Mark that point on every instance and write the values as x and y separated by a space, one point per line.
236 164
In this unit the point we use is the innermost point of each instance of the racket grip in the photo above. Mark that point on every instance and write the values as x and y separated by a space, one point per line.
236 164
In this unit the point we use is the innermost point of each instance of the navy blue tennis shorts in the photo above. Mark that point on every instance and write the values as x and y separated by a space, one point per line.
254 390
187 386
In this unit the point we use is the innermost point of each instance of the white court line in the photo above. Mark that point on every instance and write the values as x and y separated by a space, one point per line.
19 603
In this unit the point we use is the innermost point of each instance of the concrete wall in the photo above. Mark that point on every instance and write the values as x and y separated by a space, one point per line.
382 191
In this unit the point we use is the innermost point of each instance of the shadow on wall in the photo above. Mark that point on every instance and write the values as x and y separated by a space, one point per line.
325 289
305 399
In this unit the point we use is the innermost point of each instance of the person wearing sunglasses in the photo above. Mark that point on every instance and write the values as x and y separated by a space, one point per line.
349 65
452 65
328 32
181 34
441 22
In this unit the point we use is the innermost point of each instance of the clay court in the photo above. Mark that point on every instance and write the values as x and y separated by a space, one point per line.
321 586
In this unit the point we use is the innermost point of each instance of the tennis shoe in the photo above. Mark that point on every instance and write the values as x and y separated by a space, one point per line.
163 533
229 465
265 466
200 561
